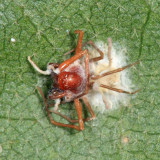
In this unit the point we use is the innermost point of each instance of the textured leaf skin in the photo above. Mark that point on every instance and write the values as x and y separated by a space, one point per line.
45 29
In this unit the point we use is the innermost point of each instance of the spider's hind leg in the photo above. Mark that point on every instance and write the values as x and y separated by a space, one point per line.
88 108
114 71
118 90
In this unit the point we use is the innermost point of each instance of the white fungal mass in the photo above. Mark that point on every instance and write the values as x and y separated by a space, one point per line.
103 98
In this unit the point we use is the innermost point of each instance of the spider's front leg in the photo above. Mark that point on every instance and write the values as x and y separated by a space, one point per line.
50 67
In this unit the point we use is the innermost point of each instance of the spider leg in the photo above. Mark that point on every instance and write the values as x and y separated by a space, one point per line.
109 41
65 117
114 71
118 90
68 119
79 42
78 110
97 49
75 120
79 113
94 46
69 61
88 108
47 72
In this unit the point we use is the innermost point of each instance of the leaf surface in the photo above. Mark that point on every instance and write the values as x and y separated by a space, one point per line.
45 29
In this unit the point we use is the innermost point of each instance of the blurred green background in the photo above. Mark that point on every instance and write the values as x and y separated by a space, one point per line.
45 29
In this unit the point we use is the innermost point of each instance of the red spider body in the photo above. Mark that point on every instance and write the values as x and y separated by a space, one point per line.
71 82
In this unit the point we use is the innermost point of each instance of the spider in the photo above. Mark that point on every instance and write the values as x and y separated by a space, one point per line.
72 80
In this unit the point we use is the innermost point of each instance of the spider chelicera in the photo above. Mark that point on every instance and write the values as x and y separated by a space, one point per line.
72 80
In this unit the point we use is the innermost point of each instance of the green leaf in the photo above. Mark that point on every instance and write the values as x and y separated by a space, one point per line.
45 29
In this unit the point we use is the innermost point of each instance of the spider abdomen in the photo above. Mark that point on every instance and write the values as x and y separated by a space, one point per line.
69 81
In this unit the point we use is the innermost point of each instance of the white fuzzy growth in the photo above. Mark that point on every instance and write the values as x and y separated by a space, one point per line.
118 80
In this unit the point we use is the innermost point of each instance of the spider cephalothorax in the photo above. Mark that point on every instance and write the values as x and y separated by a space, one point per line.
72 80
69 83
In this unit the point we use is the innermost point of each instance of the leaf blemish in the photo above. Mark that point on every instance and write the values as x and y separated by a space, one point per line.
125 140
13 40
